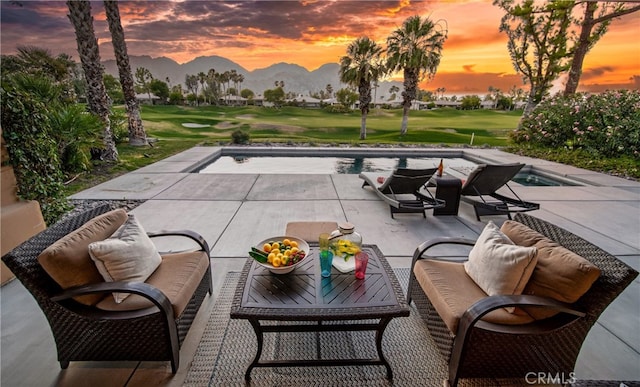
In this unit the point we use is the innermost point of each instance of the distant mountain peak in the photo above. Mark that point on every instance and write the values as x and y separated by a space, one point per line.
296 78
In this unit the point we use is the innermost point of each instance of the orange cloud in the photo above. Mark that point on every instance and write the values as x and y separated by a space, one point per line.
311 33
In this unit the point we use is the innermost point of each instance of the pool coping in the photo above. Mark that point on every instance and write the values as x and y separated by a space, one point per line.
464 153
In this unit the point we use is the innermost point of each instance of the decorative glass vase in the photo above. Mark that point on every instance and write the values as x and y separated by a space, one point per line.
345 242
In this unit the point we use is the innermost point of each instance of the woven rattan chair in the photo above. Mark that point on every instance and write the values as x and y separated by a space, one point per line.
85 333
484 350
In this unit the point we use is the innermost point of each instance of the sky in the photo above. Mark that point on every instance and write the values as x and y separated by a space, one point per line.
310 33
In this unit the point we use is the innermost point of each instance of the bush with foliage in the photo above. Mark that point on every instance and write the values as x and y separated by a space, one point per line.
470 102
606 124
33 152
240 137
337 109
49 135
119 126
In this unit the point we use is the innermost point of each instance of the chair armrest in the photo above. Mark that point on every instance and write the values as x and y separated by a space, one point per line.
491 303
145 290
475 312
423 247
426 245
199 239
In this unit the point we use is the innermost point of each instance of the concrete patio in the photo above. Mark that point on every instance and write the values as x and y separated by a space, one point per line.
233 211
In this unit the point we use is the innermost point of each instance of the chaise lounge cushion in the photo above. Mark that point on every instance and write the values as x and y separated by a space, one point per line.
177 277
559 274
129 255
67 260
452 292
499 266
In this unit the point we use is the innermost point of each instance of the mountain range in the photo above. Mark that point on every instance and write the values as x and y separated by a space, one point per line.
296 78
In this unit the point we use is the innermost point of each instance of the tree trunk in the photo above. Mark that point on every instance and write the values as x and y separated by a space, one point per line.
363 126
364 89
137 135
80 16
405 120
408 95
531 103
582 47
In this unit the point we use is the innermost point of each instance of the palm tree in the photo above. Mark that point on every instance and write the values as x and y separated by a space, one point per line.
137 135
361 66
416 49
202 78
212 87
80 16
240 80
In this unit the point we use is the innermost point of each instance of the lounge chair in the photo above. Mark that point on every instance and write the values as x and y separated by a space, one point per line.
403 190
485 181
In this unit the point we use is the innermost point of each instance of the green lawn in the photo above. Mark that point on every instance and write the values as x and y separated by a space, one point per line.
448 127
291 124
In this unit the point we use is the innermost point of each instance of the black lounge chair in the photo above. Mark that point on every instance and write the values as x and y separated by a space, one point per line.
404 192
485 181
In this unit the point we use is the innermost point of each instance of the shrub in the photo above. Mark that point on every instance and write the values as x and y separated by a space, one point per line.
337 109
76 132
240 137
470 102
33 152
119 126
606 124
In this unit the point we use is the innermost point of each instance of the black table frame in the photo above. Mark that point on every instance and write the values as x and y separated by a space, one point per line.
344 314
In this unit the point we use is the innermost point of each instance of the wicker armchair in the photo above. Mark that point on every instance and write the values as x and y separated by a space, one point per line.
487 350
84 333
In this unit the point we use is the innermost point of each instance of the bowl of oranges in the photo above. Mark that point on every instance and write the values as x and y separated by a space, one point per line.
280 254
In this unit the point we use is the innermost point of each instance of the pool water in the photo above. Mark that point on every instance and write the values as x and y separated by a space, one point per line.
324 165
457 167
535 179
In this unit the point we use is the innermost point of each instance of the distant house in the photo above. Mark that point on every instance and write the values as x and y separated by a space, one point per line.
233 100
452 104
488 104
306 101
144 99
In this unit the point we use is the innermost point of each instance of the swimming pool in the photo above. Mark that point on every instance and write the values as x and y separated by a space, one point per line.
324 164
279 160
531 178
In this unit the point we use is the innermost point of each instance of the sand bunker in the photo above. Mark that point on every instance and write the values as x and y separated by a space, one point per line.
281 128
225 125
246 116
193 125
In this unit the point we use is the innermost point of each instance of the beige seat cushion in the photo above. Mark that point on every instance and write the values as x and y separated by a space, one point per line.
67 260
497 265
129 255
452 292
177 277
310 231
559 274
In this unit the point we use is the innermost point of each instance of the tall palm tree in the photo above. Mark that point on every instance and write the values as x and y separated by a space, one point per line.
202 78
416 49
137 135
80 16
361 66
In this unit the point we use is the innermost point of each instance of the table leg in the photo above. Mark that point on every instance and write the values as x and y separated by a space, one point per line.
260 337
379 332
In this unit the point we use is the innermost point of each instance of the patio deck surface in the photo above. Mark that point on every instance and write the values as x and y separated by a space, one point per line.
233 211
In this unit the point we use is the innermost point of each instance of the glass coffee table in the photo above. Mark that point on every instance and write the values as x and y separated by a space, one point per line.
305 296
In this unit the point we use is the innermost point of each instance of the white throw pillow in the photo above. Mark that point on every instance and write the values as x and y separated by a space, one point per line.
497 265
128 255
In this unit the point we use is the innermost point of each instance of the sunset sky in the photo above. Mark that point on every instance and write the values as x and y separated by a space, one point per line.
310 33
